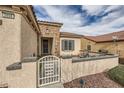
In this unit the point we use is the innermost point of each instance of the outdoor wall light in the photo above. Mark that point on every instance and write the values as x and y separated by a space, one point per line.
47 30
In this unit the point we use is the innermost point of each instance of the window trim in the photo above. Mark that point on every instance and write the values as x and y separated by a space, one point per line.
72 48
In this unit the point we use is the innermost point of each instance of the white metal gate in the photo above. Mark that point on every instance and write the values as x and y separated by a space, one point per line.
49 70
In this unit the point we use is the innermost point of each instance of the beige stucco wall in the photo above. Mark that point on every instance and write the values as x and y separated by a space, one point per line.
66 70
28 39
23 78
70 71
10 50
112 47
77 46
85 42
17 40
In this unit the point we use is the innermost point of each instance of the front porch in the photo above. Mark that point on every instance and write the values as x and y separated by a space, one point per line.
46 46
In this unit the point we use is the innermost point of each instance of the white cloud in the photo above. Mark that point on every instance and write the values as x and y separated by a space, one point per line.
113 7
63 15
93 9
97 29
72 21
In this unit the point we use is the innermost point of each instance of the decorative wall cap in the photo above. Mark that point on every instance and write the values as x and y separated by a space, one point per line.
29 59
93 58
14 66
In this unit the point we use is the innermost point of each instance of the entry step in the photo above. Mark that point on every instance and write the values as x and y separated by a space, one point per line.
55 85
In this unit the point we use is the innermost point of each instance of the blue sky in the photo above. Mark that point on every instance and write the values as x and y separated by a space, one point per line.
82 19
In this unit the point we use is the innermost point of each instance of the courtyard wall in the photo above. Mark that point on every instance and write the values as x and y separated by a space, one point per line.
23 78
71 70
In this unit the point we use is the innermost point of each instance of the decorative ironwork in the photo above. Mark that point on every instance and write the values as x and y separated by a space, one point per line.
49 70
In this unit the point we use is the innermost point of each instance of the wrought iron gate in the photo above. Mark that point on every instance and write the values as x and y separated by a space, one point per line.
48 70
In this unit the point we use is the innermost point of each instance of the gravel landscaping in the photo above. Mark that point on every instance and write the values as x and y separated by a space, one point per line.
100 80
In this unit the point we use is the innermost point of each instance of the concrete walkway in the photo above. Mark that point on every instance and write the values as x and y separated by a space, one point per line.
55 85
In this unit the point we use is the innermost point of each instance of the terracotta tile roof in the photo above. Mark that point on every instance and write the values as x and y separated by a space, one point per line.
71 35
107 37
32 9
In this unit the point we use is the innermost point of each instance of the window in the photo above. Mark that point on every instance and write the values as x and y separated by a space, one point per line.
89 47
67 45
8 14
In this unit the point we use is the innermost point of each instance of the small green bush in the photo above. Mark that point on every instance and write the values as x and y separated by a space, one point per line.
117 74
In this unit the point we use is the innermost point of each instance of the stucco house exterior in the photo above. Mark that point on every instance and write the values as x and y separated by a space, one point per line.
112 42
49 38
70 44
31 50
18 40
54 42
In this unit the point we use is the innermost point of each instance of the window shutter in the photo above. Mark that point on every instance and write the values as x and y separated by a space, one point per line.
63 45
66 45
73 45
69 44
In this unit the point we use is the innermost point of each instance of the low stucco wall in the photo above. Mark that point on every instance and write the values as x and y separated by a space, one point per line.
72 70
21 78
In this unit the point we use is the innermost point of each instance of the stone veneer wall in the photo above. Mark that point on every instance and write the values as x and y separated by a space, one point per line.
53 33
71 71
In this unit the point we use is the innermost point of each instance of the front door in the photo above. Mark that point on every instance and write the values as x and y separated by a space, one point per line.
45 47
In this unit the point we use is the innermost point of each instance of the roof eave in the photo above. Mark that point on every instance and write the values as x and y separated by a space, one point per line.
50 23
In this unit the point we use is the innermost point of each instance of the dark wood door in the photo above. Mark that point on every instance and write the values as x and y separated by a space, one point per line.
45 47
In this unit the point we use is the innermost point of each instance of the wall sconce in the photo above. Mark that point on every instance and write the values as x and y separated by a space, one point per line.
47 30
0 22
